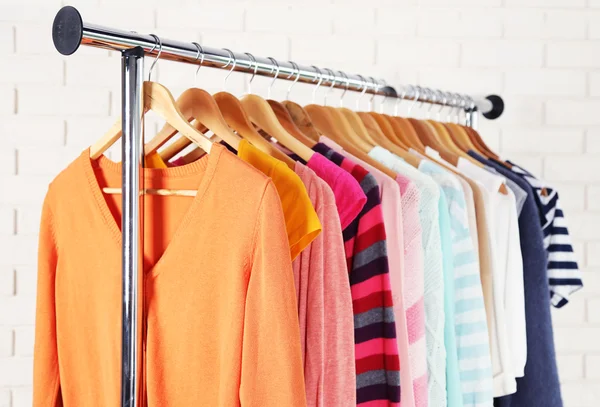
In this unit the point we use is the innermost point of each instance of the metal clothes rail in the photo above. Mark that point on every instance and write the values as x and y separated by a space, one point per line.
69 32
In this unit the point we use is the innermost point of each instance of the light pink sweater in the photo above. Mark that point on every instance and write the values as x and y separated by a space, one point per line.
325 304
414 287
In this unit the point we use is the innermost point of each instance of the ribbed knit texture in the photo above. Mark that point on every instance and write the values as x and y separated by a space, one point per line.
433 272
220 319
472 340
377 362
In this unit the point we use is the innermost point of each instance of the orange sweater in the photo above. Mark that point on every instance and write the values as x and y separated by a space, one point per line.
221 325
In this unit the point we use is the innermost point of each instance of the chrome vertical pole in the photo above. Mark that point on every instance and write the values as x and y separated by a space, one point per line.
132 71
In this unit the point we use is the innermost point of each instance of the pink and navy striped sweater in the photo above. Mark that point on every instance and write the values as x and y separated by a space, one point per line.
377 361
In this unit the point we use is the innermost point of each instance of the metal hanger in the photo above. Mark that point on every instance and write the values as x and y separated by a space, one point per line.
363 139
333 81
282 113
198 104
300 117
235 116
158 99
339 120
383 134
261 114
386 128
295 65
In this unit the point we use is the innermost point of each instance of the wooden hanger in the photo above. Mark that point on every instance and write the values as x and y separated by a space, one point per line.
323 121
261 114
196 104
296 117
397 136
460 137
357 125
474 137
158 99
440 141
482 147
236 118
408 134
388 130
286 120
443 134
377 134
302 120
441 129
200 105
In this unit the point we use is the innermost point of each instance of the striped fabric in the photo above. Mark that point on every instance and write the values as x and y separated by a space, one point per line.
433 275
472 340
377 361
414 288
563 272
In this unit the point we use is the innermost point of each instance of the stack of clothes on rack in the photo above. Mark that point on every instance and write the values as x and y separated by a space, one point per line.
305 256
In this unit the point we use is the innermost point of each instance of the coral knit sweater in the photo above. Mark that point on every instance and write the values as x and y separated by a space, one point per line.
220 317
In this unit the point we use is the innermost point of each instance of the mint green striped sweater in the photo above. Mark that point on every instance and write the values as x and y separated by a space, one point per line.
472 341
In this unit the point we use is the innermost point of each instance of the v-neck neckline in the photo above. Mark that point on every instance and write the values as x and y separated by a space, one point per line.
208 163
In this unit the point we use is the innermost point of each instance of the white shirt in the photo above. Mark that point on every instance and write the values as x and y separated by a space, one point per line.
508 335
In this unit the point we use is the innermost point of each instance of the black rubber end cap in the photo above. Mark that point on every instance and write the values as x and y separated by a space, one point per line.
67 30
497 107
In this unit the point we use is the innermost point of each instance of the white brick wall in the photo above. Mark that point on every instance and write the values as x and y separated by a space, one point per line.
542 56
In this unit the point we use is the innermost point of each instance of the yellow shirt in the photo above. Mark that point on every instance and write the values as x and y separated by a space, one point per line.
155 161
301 221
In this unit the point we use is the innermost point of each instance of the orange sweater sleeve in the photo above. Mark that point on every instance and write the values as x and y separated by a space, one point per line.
272 372
46 380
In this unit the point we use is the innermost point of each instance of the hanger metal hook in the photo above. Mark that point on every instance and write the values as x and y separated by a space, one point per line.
463 106
200 57
471 103
297 69
375 89
433 101
233 59
277 69
345 89
398 100
452 104
385 96
425 92
320 73
444 99
417 91
159 44
252 62
362 78
333 82
456 111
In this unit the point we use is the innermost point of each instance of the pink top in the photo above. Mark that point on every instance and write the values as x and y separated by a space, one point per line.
325 305
349 196
393 221
414 286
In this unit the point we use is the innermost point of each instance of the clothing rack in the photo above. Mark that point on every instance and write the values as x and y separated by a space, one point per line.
69 32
